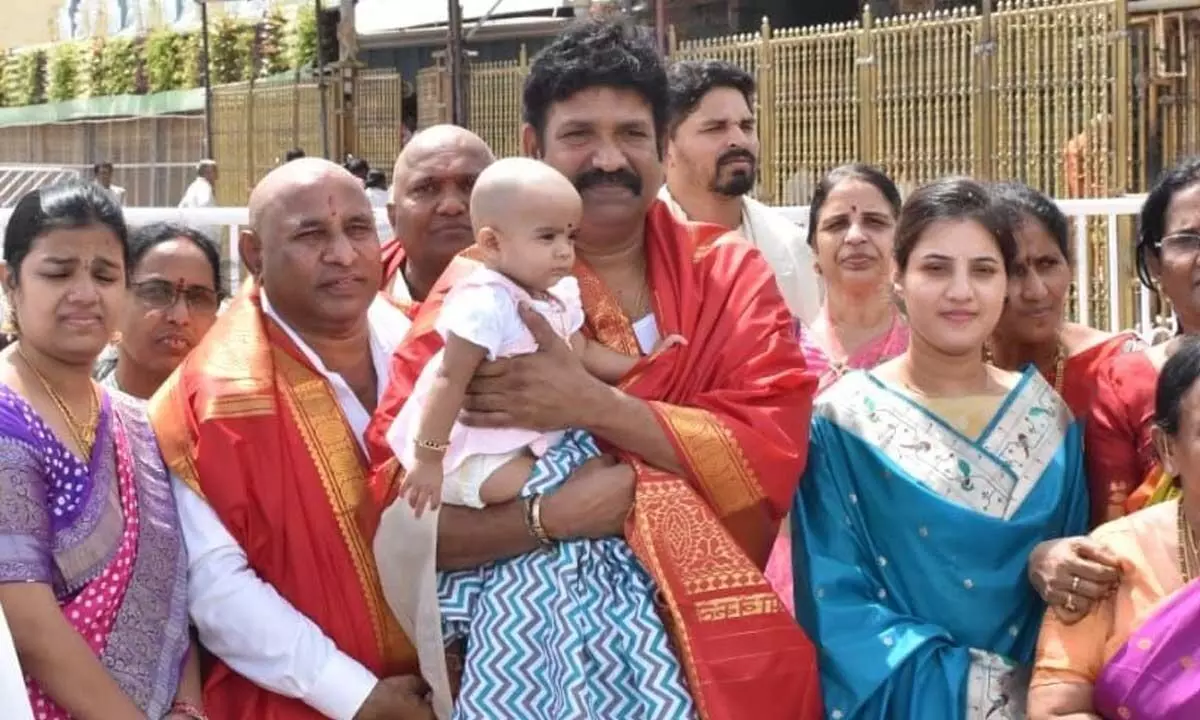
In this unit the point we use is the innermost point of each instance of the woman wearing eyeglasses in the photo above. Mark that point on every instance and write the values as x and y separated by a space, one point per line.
175 281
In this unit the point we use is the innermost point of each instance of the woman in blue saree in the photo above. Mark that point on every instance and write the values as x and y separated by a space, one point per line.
929 481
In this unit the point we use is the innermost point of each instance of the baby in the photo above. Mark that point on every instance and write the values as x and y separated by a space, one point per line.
525 216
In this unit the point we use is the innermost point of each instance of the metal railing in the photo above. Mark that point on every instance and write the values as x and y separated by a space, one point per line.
1096 264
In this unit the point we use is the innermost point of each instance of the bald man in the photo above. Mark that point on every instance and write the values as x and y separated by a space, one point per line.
262 429
429 209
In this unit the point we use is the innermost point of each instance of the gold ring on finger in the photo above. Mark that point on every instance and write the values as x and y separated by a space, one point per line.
1071 603
1075 584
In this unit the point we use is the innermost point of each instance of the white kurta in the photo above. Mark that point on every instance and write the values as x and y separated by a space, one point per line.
242 619
198 195
14 699
783 245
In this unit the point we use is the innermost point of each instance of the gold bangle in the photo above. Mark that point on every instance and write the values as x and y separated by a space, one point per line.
433 445
539 530
533 520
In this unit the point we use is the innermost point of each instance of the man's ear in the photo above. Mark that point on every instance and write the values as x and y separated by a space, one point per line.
531 145
250 250
391 216
1165 449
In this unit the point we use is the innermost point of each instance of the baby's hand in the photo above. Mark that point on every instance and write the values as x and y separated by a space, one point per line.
423 486
669 341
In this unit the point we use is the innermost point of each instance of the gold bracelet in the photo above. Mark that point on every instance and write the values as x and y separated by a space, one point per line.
539 530
533 520
433 445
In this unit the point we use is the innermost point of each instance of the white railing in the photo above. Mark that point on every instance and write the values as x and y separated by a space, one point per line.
1110 210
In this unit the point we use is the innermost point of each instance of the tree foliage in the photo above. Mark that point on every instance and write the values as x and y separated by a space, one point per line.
163 60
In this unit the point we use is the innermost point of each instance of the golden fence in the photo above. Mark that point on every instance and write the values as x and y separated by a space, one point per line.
1038 90
255 124
1074 97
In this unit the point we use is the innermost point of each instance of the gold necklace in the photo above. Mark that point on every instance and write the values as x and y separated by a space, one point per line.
1060 363
1189 548
83 433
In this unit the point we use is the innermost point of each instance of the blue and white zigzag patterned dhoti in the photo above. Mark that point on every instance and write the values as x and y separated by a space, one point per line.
565 633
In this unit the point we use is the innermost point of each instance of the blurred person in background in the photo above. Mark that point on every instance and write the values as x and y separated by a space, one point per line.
358 167
103 174
377 193
202 192
175 291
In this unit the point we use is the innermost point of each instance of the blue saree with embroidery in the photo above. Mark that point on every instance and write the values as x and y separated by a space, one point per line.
911 542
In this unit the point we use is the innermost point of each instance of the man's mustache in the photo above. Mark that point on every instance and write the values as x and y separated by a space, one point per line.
737 154
622 178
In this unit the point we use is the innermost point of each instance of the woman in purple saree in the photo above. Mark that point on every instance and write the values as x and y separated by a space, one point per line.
93 570
1137 654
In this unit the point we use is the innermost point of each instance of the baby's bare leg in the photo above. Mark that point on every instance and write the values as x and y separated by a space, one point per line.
506 482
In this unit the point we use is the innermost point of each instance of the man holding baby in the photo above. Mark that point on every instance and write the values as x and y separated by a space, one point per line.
703 441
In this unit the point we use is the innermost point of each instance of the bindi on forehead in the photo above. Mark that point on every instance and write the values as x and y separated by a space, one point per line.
331 203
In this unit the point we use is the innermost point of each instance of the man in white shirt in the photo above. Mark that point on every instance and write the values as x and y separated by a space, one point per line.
262 428
202 192
711 163
431 193
103 173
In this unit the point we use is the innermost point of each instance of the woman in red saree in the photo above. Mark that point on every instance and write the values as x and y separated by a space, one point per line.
1124 474
1033 329
1134 655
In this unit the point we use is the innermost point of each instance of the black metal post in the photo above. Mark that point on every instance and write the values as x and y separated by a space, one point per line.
454 64
321 90
208 96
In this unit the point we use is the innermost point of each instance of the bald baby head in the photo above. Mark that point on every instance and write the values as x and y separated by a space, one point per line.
514 190
526 214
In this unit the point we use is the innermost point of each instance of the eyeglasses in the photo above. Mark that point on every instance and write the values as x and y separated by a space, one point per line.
1181 243
162 295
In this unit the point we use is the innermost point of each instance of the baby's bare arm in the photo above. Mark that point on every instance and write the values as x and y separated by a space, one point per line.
445 399
601 361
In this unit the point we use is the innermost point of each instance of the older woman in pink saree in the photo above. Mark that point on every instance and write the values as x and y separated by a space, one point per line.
1135 655
851 229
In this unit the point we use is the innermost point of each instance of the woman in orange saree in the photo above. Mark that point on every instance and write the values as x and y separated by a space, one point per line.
1134 655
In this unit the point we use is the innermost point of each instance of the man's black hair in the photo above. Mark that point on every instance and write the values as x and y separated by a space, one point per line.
597 53
688 81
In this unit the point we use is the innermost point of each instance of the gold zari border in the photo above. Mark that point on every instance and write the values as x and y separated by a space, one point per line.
714 456
335 455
